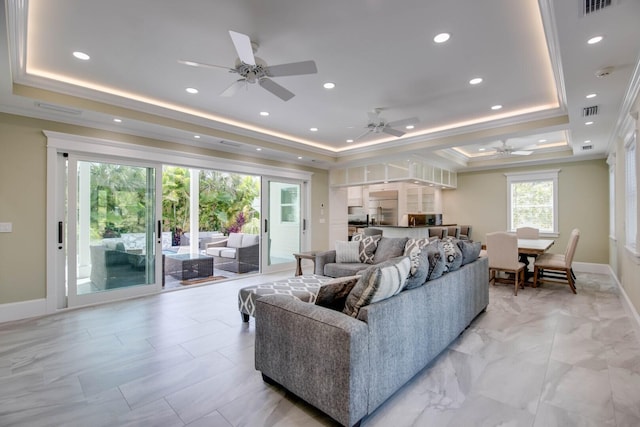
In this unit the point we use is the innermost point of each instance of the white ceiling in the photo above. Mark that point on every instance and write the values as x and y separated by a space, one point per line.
533 57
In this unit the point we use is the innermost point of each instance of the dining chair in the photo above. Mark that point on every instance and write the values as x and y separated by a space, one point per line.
465 232
557 267
453 231
527 233
502 251
439 232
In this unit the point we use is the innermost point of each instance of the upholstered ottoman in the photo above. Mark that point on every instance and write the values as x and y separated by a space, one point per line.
304 288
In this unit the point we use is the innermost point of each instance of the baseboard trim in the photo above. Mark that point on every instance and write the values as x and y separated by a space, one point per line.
589 267
22 310
628 305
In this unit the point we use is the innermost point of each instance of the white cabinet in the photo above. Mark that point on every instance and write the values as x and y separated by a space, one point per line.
421 199
354 196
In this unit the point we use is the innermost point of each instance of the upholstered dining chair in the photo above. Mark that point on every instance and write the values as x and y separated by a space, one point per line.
465 232
439 232
527 233
453 231
556 268
502 251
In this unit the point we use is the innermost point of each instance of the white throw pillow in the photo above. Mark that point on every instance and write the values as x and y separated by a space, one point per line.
347 251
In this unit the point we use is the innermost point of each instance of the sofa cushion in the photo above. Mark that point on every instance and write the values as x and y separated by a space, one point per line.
333 294
377 283
249 240
215 251
347 251
470 250
368 246
228 253
335 269
389 247
453 255
235 240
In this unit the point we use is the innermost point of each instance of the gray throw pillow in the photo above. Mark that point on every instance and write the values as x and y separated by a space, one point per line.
436 260
347 251
412 249
368 246
389 247
419 270
470 250
379 282
333 294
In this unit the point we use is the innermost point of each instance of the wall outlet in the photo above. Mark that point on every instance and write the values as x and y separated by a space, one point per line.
6 227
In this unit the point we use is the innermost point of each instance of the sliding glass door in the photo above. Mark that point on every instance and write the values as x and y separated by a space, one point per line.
113 243
284 224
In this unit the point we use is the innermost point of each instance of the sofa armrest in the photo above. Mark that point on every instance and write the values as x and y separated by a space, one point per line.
322 258
319 354
218 244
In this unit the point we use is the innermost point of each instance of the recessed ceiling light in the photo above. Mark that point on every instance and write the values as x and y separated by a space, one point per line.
349 140
591 95
475 81
117 120
264 113
299 157
192 90
313 129
81 55
588 123
196 136
258 149
482 149
329 85
594 40
496 107
542 140
587 141
410 127
442 37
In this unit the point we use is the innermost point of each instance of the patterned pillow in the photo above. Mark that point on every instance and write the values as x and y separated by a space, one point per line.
368 246
470 250
452 253
412 250
380 282
333 294
347 251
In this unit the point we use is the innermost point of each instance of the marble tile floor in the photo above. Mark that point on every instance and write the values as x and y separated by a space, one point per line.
544 358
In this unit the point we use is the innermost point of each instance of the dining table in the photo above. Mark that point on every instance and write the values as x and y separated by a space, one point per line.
532 248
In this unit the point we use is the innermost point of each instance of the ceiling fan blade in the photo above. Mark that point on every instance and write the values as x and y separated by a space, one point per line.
276 89
404 122
203 65
367 132
234 88
521 152
242 43
292 69
392 131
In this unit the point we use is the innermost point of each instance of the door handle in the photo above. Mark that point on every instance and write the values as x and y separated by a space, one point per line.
159 231
60 234
266 225
304 225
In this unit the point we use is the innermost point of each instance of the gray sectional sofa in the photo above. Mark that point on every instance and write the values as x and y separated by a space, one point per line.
347 367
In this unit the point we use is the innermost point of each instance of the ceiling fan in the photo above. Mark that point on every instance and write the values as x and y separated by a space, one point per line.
254 70
379 125
506 150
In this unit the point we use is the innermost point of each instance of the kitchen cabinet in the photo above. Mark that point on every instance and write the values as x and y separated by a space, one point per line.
422 199
354 196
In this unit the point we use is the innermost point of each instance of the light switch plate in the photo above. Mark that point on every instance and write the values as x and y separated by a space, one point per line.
6 227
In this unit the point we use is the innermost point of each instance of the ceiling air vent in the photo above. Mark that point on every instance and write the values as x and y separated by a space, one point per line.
591 6
590 111
587 147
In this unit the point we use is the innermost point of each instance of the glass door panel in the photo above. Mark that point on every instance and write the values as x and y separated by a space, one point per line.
112 222
283 224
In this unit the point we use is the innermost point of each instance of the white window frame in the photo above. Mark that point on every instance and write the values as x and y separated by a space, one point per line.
631 194
611 161
545 175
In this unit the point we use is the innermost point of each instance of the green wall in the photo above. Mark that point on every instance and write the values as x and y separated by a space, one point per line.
583 193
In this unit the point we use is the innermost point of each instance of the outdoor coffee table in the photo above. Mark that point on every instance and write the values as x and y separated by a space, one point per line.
188 266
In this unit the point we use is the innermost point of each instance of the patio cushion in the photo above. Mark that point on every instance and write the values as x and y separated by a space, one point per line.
249 240
228 253
235 240
215 251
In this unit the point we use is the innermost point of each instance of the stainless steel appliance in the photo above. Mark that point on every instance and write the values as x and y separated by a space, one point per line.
383 207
